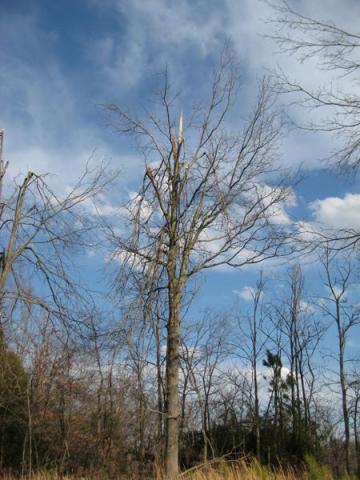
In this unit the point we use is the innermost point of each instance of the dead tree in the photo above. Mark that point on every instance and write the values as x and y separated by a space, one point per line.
206 201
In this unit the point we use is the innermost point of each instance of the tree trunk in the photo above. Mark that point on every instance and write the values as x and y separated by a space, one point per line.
257 412
159 389
345 414
292 376
307 437
356 435
172 382
343 387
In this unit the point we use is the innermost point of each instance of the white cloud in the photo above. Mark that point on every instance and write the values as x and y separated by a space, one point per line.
156 33
246 293
337 212
44 119
276 210
176 26
101 205
51 123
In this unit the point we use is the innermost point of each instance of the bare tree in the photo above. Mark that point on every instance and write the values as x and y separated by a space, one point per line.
338 271
301 337
191 340
332 107
159 336
39 231
337 50
204 202
202 359
251 346
354 386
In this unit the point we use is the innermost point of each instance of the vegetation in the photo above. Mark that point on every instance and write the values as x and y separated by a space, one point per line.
222 470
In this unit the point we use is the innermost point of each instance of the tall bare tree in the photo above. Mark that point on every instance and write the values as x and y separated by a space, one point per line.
252 345
204 202
338 278
301 336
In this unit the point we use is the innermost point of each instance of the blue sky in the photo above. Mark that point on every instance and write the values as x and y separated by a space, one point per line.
60 61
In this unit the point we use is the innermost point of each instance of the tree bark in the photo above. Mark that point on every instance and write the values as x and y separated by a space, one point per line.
356 435
159 389
172 382
341 338
257 412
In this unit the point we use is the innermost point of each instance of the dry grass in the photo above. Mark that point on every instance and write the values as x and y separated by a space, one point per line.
241 470
216 470
45 476
56 476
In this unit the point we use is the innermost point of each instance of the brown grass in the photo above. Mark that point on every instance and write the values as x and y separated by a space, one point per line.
216 470
240 470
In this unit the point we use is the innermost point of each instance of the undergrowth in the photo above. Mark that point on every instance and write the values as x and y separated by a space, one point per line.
215 470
